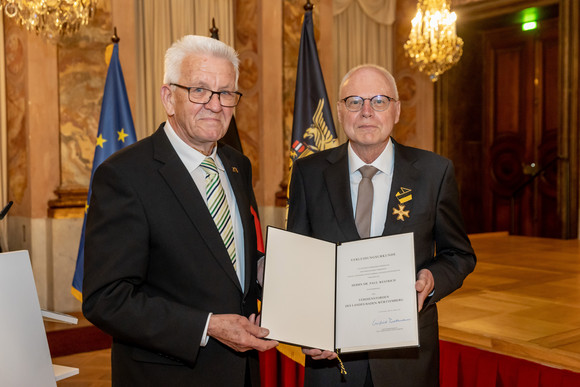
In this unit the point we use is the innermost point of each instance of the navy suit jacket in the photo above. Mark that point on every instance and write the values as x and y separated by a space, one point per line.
320 205
155 266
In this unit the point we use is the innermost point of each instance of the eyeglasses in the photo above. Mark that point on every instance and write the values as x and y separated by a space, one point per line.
379 103
203 96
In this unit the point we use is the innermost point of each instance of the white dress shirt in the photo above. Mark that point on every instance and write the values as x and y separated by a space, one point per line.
381 184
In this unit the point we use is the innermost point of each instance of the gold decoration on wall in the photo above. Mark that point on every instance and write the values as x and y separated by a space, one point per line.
51 19
433 44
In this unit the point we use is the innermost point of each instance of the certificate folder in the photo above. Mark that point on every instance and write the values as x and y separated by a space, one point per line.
352 297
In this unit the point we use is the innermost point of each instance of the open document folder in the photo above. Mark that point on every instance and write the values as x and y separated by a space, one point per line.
356 296
24 354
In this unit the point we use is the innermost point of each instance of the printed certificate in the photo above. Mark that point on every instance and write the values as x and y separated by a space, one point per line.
356 296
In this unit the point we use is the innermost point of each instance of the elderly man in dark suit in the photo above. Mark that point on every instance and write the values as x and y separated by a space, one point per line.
170 254
411 190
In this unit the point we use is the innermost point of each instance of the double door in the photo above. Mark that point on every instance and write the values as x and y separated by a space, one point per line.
520 130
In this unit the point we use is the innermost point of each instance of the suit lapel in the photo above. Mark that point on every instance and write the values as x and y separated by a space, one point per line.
400 205
337 180
184 188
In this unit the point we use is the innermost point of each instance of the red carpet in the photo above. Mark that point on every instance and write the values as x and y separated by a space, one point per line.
461 366
464 366
75 340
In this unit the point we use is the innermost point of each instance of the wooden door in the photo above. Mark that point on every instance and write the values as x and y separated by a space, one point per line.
520 123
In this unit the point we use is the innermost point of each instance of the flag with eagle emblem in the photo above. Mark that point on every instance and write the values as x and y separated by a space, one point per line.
312 128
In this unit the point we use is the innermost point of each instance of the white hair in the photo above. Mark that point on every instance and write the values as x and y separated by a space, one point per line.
380 69
196 45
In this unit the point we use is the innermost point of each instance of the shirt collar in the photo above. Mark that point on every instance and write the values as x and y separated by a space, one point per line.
383 163
190 157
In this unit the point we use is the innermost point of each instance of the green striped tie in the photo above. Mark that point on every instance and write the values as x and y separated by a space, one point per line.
218 206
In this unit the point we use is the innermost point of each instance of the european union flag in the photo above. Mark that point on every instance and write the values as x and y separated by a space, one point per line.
116 131
313 127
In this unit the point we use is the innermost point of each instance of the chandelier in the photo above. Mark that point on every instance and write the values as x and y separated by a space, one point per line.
433 44
51 19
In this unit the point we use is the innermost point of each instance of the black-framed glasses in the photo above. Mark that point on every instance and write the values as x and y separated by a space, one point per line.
379 103
202 96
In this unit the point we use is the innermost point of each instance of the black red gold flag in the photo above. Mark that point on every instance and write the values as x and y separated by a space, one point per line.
313 127
232 137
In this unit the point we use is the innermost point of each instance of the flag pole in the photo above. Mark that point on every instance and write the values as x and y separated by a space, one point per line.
115 38
308 6
214 30
232 137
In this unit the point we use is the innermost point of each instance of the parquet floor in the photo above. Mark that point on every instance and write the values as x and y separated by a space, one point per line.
94 369
522 300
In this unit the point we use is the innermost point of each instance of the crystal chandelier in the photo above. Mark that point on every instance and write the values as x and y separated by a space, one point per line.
433 44
51 19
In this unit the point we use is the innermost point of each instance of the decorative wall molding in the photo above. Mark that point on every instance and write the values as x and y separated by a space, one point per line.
70 203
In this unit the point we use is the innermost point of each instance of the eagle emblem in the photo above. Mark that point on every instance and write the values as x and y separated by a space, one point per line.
315 139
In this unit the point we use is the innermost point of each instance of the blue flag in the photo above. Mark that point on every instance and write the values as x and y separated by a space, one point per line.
312 128
116 131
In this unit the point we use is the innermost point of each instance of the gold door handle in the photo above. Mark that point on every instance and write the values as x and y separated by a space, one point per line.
530 169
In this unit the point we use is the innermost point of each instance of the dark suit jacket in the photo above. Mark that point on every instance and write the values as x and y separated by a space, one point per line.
320 206
155 265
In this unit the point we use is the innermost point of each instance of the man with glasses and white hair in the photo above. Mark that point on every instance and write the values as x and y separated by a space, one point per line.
373 186
171 252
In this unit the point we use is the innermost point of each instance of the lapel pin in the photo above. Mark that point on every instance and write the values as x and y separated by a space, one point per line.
404 195
235 169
